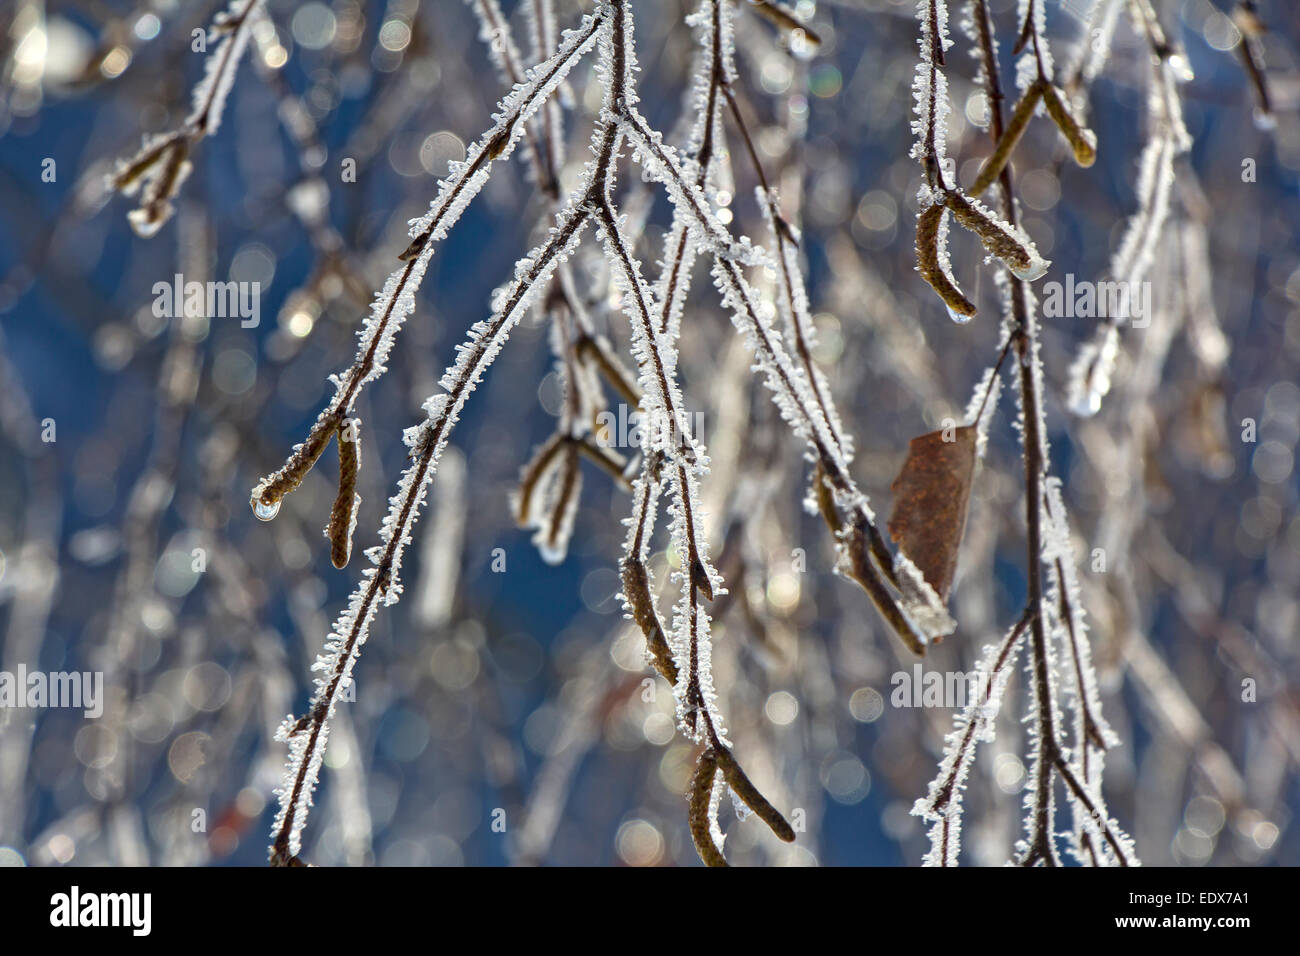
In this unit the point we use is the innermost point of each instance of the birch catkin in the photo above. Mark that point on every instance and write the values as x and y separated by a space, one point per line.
1015 128
931 269
1082 141
343 516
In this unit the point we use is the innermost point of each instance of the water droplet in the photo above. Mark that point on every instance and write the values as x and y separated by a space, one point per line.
958 317
264 511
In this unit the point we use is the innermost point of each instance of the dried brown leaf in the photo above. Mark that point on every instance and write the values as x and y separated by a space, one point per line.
931 497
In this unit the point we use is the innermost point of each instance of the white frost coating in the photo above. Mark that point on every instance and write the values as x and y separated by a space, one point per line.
395 302
1036 765
690 637
640 527
945 264
942 804
787 382
665 433
1090 375
553 506
674 281
552 541
655 354
1078 679
1096 38
465 179
691 630
1037 266
382 582
497 37
1092 371
1036 50
681 247
739 807
427 440
930 88
540 18
971 27
1057 548
715 805
702 78
1155 182
918 599
660 163
797 315
219 69
161 166
145 223
494 31
982 407
645 496
1169 139
1033 360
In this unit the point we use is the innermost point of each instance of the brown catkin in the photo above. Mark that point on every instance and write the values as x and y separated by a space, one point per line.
532 475
994 237
701 794
339 529
129 174
295 469
567 492
1082 141
927 261
742 787
636 588
1015 128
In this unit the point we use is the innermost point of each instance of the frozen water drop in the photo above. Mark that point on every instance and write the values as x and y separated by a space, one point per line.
1264 121
264 511
146 222
1036 269
1087 405
960 318
1181 67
